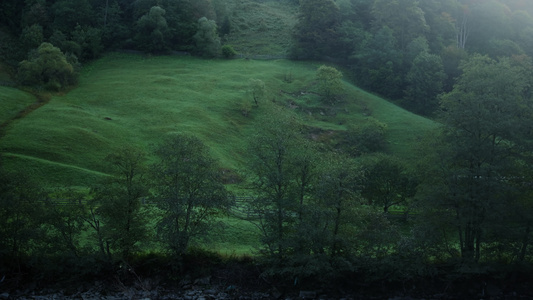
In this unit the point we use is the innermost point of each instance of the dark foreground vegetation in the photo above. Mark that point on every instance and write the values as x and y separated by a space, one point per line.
333 213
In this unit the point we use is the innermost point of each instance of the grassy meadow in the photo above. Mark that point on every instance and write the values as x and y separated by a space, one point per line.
133 100
12 101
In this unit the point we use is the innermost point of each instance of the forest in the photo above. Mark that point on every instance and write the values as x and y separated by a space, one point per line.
381 143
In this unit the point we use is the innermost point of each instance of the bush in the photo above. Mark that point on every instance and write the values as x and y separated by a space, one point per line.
365 138
47 67
228 51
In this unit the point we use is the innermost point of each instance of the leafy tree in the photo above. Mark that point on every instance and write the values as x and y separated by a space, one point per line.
89 40
21 205
188 190
257 87
67 14
115 29
31 37
47 67
365 137
338 190
206 38
315 32
65 222
119 199
279 181
329 82
424 83
153 30
404 17
486 116
378 64
387 183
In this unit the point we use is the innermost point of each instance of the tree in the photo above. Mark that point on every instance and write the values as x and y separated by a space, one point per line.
424 83
316 33
21 206
257 86
120 202
89 40
47 67
188 190
329 82
153 30
404 17
378 64
280 182
387 183
206 38
486 117
338 188
31 37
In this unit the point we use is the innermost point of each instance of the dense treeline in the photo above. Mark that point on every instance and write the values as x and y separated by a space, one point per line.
410 50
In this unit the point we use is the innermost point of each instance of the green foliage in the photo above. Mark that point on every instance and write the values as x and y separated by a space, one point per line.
315 32
20 218
125 221
258 90
153 31
48 68
206 38
89 41
31 37
228 51
329 82
486 116
387 182
280 180
424 83
367 137
188 190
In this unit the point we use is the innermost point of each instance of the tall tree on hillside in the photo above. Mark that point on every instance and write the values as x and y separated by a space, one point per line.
316 32
387 183
153 30
404 17
207 39
120 198
188 190
424 83
486 117
279 183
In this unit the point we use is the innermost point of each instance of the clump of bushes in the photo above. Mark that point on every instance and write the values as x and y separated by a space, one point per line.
228 51
363 138
47 67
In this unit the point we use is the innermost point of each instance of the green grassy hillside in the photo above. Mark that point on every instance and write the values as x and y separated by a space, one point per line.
12 101
261 27
136 100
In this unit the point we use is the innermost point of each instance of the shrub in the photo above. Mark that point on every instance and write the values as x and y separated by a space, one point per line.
47 67
228 51
365 138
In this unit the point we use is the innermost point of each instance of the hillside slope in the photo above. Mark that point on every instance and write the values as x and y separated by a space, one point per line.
261 28
130 100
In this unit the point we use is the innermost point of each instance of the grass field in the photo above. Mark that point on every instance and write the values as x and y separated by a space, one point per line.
137 100
12 101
